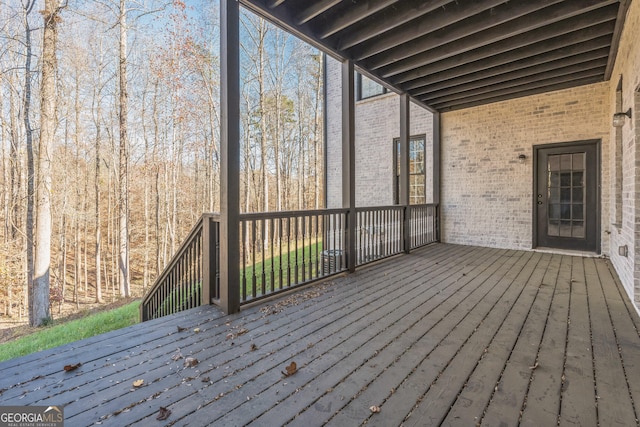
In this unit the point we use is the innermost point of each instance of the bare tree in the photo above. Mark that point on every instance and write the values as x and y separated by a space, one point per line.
123 164
41 310
26 103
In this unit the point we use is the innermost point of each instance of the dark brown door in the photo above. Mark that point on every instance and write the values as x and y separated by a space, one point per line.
567 213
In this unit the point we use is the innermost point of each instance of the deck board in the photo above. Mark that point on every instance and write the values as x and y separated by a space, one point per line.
543 396
578 399
614 404
447 335
480 385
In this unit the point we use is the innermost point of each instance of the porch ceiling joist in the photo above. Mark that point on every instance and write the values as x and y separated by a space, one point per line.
452 54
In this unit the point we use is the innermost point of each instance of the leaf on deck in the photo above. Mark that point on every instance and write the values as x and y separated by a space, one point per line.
163 414
190 362
290 370
70 368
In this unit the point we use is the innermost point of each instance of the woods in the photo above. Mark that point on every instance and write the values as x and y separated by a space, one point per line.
109 134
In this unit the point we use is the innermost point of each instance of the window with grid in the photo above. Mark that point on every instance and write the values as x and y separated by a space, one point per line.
417 158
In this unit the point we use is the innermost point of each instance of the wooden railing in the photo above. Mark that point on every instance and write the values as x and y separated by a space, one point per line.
192 276
279 250
423 225
282 250
379 233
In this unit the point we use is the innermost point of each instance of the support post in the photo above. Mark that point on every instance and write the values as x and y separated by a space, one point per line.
208 268
435 155
230 156
348 159
404 169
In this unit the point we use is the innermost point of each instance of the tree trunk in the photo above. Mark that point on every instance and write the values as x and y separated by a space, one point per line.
317 129
34 320
41 310
97 192
15 165
123 164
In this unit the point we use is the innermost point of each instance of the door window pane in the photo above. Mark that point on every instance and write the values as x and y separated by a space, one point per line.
577 213
566 196
577 179
578 229
578 161
565 228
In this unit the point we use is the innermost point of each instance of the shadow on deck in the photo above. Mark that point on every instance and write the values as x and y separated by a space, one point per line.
448 335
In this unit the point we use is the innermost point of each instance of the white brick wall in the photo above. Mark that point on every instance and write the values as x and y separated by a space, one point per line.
486 192
377 124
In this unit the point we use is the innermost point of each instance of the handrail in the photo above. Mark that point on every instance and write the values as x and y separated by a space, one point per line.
290 214
179 286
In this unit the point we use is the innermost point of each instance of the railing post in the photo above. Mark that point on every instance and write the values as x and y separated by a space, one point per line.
407 229
207 261
404 169
348 160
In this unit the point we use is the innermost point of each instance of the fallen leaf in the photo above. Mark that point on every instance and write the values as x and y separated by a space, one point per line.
181 329
164 414
534 366
196 330
254 347
138 383
290 370
70 368
190 362
177 356
374 409
242 332
205 379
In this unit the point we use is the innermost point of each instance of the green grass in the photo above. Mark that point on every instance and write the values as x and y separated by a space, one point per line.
306 255
53 336
178 299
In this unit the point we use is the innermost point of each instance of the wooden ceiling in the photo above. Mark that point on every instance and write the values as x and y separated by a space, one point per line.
450 55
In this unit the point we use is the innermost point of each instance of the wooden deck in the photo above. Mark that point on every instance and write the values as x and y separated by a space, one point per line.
448 335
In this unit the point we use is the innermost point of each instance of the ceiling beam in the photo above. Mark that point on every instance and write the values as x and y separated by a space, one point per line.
353 13
430 23
314 10
520 30
531 65
584 69
272 4
375 25
505 52
542 87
